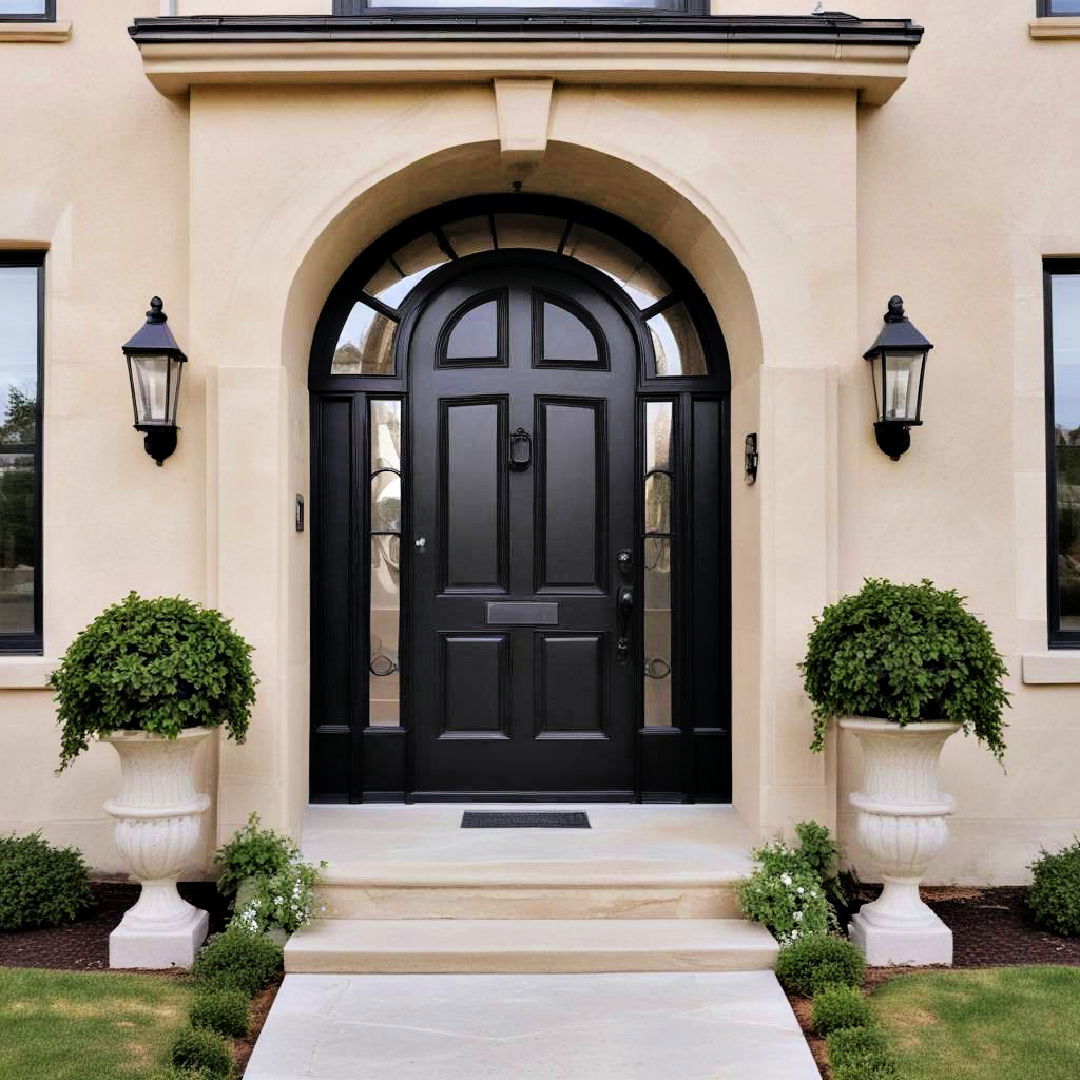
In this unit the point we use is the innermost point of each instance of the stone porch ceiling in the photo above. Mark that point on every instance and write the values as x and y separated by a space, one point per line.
868 56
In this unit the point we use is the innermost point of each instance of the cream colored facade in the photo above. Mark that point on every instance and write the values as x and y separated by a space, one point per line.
801 190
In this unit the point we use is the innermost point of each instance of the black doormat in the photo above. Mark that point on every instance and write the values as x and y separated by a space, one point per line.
525 819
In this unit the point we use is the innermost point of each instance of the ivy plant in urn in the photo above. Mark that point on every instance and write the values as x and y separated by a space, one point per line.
155 679
903 668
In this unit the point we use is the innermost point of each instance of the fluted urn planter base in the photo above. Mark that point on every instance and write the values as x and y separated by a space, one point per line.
902 823
158 814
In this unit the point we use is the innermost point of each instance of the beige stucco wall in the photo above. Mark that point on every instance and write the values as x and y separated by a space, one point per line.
798 211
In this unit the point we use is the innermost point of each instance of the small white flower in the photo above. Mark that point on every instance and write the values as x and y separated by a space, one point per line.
785 878
797 916
800 890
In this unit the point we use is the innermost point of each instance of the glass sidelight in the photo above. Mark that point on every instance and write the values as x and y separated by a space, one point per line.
658 535
384 469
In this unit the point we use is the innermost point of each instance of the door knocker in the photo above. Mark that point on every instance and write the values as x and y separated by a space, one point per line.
520 449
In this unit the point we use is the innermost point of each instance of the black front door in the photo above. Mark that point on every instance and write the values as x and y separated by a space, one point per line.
520 614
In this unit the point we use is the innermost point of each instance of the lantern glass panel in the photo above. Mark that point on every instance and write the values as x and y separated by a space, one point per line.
898 384
155 384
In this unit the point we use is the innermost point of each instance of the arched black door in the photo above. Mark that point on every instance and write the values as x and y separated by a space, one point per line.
522 591
519 515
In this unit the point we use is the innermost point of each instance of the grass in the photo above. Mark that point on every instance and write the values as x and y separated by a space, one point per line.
67 1025
1015 1023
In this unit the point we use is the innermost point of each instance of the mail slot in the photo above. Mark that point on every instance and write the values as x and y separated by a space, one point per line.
522 613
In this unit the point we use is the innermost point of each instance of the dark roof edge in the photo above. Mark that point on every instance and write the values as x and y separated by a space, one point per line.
532 26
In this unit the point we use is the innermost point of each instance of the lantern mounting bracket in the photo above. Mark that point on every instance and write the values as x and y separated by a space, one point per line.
159 440
894 439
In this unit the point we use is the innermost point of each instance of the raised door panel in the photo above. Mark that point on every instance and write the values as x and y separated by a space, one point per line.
473 493
571 681
571 507
473 683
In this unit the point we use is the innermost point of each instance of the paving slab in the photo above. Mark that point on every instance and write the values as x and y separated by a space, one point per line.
651 1026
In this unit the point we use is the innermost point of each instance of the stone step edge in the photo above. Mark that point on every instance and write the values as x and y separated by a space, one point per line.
503 878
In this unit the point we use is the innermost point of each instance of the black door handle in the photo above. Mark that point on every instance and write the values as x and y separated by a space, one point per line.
625 607
520 449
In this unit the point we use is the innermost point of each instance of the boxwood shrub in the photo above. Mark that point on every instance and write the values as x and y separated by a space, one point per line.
861 1053
198 1050
838 1007
799 966
220 1009
1054 897
40 885
238 959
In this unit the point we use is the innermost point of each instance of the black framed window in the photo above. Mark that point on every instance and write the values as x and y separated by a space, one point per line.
27 10
21 309
472 7
1059 7
1062 300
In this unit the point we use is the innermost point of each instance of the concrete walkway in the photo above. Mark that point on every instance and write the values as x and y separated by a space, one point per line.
656 1026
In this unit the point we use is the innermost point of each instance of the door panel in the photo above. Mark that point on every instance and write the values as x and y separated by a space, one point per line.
522 495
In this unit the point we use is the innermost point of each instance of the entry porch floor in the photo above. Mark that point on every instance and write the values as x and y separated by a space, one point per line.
654 1026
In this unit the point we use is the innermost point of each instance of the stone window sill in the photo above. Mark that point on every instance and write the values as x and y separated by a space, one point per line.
1059 26
41 32
26 672
1060 666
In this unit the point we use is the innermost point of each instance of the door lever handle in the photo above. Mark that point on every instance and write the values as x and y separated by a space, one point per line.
625 609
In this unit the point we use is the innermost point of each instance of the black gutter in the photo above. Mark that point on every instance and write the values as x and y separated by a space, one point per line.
832 29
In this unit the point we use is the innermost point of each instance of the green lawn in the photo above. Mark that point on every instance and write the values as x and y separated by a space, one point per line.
1016 1023
68 1025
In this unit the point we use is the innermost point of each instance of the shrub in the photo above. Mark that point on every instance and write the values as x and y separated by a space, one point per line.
797 964
153 665
838 1007
860 1054
285 900
789 902
905 653
238 960
228 1012
40 885
197 1050
1054 897
821 853
253 852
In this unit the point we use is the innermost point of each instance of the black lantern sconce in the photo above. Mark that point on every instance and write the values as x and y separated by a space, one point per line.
898 363
154 364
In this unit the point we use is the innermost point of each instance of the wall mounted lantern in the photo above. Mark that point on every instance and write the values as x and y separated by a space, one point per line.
898 362
154 364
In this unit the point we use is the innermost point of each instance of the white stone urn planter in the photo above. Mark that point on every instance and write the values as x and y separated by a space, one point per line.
158 814
902 823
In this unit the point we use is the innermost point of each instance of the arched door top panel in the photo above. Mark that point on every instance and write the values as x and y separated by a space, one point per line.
354 341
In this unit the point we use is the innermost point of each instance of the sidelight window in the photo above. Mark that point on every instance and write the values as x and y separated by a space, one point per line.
385 511
362 7
1059 7
1062 297
27 10
657 543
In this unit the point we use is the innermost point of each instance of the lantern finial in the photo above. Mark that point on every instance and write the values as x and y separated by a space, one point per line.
895 313
156 315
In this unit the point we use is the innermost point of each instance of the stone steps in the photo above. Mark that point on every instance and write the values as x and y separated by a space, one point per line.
547 895
514 946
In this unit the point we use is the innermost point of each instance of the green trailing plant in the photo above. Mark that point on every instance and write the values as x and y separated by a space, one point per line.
798 964
238 959
1054 897
41 885
861 1053
228 1012
253 852
836 1007
905 653
784 895
159 666
198 1050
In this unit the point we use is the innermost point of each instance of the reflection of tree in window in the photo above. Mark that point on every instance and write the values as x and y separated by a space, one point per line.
1068 506
20 418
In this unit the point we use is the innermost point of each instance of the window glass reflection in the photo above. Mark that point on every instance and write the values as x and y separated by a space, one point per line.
1065 303
366 344
657 554
615 259
676 343
384 690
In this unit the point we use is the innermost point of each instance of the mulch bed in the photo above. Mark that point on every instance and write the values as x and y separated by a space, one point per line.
84 945
991 927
